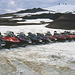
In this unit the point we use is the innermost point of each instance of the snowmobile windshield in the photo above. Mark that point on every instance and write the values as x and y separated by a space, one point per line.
22 34
9 34
48 33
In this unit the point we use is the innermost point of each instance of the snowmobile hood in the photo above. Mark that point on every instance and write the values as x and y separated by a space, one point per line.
50 36
11 39
73 36
60 36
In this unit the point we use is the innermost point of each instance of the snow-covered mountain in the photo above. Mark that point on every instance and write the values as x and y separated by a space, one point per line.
37 13
62 8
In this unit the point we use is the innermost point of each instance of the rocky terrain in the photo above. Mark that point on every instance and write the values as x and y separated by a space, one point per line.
62 18
66 21
12 19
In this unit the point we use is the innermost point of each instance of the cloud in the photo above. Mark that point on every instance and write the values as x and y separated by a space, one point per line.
9 10
12 2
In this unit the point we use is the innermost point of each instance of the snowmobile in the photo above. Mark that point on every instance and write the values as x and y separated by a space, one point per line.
10 39
50 36
71 34
59 36
34 38
2 42
23 38
68 37
43 38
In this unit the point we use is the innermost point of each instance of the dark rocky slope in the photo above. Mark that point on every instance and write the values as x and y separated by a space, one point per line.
44 15
66 21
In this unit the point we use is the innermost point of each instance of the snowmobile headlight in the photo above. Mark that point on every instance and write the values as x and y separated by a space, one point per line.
48 39
30 42
2 44
55 39
40 40
11 40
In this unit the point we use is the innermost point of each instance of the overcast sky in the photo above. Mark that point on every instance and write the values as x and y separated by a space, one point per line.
15 5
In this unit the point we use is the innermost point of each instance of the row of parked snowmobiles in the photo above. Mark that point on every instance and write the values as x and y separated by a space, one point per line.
11 40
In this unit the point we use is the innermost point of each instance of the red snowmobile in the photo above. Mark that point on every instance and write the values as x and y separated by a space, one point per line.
11 40
72 35
65 34
50 36
59 36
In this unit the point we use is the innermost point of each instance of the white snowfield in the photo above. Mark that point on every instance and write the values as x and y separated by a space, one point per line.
49 59
36 13
36 21
62 8
7 17
17 19
29 28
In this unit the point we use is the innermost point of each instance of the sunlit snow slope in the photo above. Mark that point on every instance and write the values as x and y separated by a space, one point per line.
62 8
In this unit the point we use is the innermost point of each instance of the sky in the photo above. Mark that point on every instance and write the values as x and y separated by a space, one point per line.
7 6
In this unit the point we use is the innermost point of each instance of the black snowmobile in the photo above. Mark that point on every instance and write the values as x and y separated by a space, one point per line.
23 38
34 38
43 38
2 42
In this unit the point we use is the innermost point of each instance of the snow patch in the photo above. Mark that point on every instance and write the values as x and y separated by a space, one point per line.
36 21
7 17
24 14
62 8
